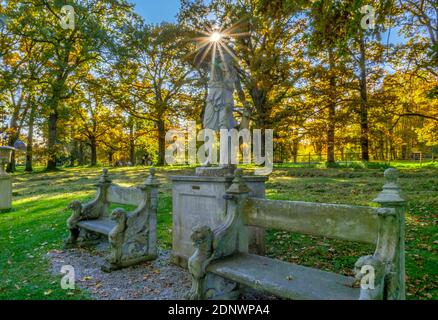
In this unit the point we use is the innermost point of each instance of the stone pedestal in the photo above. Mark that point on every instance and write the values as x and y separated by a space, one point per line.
198 200
5 179
5 191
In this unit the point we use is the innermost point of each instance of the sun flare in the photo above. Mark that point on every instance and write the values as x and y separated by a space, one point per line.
214 42
216 37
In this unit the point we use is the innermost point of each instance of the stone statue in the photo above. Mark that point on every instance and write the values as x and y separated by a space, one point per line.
202 238
219 111
220 103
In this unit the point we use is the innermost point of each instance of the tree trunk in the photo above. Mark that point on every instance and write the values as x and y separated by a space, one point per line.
364 142
259 99
161 142
110 158
57 90
295 149
52 140
29 147
74 153
93 147
11 140
72 160
81 157
131 144
331 110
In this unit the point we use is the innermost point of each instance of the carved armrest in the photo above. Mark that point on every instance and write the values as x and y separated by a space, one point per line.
229 237
224 240
77 207
215 244
120 216
89 211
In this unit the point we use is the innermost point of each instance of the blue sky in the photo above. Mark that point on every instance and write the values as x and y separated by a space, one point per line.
156 11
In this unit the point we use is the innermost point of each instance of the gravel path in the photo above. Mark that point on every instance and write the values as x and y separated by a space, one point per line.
155 280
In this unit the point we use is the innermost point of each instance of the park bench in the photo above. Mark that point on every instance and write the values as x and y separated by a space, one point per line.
131 235
221 266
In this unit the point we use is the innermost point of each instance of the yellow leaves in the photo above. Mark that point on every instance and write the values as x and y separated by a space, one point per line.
87 278
11 59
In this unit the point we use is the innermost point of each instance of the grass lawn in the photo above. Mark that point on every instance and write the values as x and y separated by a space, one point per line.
37 223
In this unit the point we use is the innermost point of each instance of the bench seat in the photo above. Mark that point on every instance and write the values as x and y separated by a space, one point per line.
102 226
285 280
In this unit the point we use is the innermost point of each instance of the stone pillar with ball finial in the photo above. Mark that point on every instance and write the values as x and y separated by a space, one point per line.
391 197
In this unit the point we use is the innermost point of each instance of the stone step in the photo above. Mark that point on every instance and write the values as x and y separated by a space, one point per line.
285 280
102 226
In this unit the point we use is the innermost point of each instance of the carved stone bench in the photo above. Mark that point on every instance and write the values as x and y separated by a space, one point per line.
221 266
131 235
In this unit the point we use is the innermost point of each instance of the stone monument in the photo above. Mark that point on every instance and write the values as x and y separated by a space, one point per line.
5 179
199 199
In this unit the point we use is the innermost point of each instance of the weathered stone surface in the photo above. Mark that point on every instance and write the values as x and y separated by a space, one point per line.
285 280
102 226
353 223
215 171
5 191
198 201
131 235
122 195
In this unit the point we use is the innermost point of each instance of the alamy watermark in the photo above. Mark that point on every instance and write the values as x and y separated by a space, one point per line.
67 19
68 281
367 281
235 146
369 19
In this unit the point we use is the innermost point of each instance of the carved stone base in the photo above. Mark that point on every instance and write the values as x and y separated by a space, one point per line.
198 200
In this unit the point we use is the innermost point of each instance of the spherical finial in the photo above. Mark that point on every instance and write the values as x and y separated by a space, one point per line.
151 180
391 175
104 178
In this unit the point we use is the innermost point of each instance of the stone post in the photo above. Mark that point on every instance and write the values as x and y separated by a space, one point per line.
5 190
391 197
150 186
5 180
102 186
237 194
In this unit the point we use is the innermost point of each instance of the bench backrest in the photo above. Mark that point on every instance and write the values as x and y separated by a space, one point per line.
346 222
125 195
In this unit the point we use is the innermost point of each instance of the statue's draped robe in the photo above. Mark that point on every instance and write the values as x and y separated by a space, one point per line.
220 102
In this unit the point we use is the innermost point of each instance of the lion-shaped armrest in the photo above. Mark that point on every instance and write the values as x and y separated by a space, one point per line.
90 211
